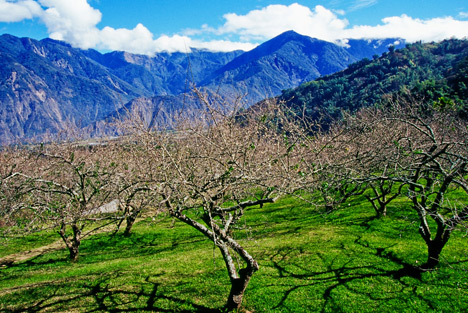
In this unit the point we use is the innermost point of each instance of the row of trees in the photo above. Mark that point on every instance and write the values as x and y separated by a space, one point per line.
214 166
413 150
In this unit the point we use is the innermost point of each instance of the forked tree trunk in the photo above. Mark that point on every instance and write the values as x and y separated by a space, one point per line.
73 245
382 197
383 206
383 210
239 279
74 252
238 286
433 255
435 245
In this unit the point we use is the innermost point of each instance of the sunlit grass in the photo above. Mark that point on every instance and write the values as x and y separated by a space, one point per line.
310 261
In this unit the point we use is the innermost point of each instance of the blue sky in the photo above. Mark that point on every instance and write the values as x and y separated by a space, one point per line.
149 26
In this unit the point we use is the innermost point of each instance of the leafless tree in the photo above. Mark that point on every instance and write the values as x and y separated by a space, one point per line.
14 188
211 169
381 193
331 157
70 188
139 180
424 149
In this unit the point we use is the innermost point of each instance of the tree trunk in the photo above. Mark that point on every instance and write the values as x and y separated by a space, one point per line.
383 204
73 245
382 210
434 246
130 221
238 286
74 252
239 280
433 254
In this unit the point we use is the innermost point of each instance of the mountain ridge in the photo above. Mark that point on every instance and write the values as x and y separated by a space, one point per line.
47 85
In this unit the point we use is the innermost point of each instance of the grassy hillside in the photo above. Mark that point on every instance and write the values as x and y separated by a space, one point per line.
344 261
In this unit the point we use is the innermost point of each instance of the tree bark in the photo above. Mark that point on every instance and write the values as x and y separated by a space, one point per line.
433 255
435 246
128 228
383 210
74 253
238 286
73 245
239 279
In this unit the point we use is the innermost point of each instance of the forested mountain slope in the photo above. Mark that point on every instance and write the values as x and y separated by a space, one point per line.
434 72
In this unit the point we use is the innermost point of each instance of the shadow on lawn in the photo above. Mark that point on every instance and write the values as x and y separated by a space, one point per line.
340 275
98 296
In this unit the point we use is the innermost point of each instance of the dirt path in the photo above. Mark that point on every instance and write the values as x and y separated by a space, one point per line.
26 255
57 245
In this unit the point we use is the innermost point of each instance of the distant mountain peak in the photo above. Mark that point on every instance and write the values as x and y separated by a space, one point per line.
310 56
291 35
269 47
282 39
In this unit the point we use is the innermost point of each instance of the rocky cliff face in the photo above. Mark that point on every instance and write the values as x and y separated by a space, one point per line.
47 86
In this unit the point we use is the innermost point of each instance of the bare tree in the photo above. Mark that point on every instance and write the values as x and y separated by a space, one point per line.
135 183
382 192
139 180
213 168
14 189
425 149
332 156
70 189
433 159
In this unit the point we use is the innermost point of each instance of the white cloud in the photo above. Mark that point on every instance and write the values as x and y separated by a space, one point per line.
412 29
75 21
325 24
463 14
222 45
138 39
72 21
276 19
18 11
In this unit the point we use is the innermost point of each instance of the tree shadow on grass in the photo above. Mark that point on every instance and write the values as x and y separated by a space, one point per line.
102 296
339 275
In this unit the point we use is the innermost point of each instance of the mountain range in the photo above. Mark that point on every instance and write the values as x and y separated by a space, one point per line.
48 86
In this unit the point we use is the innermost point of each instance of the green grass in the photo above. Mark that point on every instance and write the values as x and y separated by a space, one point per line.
12 244
344 261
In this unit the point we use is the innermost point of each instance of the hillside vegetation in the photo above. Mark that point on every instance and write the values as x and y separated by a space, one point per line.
432 72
